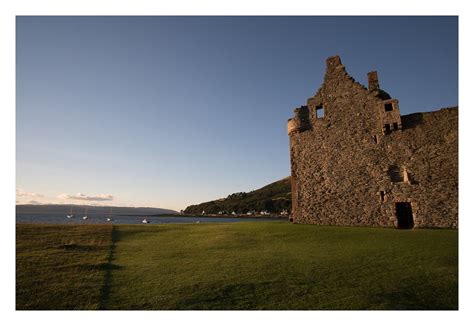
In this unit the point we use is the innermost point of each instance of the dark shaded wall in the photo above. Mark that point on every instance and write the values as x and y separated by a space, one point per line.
353 165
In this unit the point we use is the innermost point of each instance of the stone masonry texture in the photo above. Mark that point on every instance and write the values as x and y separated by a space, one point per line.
351 165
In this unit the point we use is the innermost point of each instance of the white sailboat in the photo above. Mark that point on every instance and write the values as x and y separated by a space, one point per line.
85 215
70 215
110 215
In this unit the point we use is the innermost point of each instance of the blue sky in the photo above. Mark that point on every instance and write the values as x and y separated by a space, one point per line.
172 111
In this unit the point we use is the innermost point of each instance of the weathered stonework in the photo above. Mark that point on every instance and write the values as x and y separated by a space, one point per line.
363 164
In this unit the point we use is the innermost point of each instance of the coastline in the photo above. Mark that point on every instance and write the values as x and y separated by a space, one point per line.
222 216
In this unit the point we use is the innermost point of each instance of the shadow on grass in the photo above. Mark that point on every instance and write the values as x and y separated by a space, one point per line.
237 296
78 247
109 267
412 296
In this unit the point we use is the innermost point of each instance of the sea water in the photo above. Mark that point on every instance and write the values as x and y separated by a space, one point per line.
121 219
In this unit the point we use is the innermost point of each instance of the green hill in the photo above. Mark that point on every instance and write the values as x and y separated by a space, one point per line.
273 198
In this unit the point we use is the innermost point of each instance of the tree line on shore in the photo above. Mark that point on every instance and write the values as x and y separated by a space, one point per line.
274 198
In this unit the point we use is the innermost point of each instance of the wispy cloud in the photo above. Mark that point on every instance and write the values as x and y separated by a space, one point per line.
22 193
85 197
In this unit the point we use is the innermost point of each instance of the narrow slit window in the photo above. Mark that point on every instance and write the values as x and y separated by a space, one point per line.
388 107
376 140
387 128
395 126
382 196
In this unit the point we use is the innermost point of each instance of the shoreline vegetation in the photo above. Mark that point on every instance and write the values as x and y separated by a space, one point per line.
215 266
272 199
271 216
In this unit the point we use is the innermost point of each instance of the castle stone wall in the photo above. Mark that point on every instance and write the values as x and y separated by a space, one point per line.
347 169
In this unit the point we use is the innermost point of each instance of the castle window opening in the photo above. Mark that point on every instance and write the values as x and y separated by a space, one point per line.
396 174
382 196
386 128
388 107
404 215
320 112
376 140
395 126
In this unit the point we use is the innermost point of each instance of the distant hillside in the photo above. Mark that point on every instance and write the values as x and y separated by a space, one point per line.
274 198
79 209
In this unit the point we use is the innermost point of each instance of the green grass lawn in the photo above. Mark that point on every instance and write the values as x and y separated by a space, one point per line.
247 265
61 267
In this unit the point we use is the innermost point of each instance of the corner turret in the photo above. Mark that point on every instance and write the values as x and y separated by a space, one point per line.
300 122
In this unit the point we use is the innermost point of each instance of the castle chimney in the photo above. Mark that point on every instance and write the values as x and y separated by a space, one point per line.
373 81
333 62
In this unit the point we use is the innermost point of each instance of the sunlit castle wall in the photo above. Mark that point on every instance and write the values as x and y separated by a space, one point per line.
356 161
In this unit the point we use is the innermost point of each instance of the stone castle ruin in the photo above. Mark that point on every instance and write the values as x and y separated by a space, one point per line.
356 161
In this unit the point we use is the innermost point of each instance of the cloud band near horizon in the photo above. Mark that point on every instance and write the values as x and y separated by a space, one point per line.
85 197
22 193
